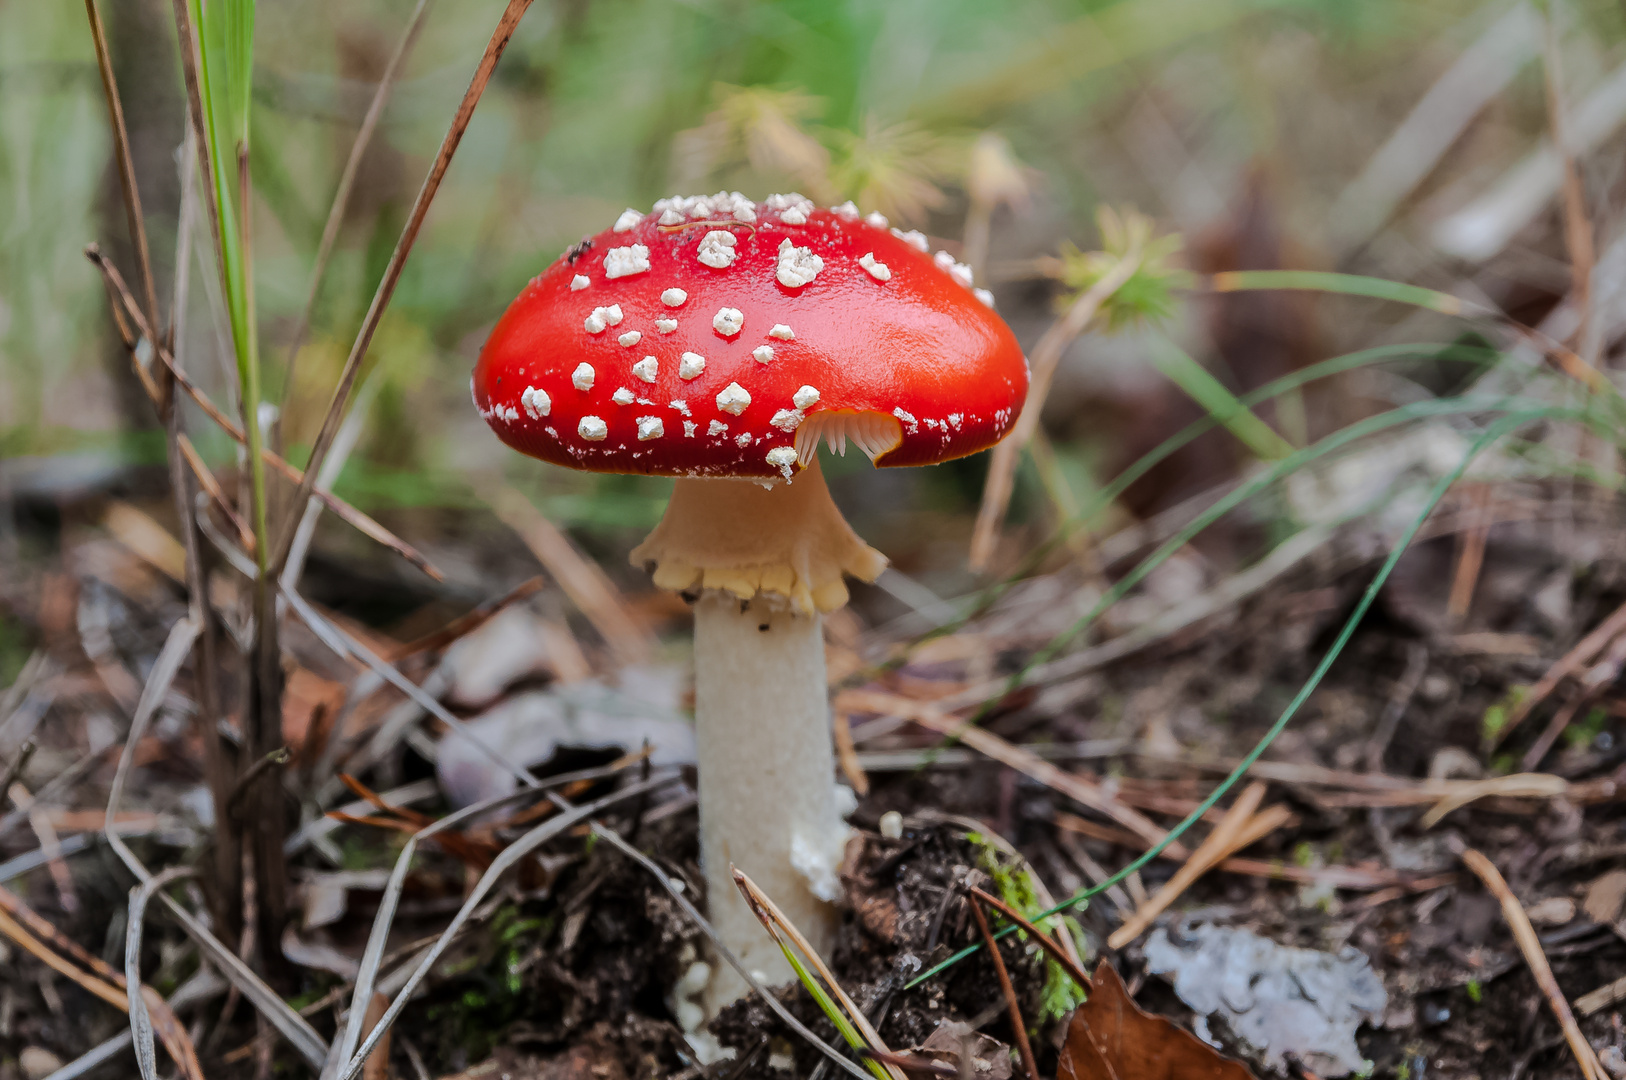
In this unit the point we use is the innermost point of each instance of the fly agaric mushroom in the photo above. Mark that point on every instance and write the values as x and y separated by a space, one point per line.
719 341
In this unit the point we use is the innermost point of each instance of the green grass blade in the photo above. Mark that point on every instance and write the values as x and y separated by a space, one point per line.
1217 401
225 35
837 1016
1343 284
1502 427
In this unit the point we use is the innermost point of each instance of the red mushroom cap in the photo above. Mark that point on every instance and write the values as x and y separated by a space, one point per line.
698 341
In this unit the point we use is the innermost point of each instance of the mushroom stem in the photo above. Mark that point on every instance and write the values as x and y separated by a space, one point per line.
769 803
764 561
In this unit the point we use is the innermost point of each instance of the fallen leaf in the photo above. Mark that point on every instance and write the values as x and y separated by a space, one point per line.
1605 897
1112 1038
970 1052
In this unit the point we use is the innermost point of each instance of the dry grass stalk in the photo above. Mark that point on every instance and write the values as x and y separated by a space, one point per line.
109 988
1530 946
1585 651
841 731
587 585
774 921
162 395
347 513
1077 788
1042 939
1018 1025
1047 354
392 275
1470 554
378 1062
467 624
1240 827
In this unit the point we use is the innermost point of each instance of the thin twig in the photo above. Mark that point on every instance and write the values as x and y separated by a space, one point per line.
464 625
1019 1027
121 150
1530 946
1044 940
392 274
341 202
1584 652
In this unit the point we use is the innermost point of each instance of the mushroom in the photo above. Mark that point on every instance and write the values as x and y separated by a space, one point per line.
793 325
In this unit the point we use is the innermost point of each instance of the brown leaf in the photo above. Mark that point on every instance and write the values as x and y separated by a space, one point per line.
1605 897
1112 1038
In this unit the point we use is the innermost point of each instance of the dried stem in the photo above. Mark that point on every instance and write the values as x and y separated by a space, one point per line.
121 148
1530 946
179 461
392 275
1044 940
1019 1027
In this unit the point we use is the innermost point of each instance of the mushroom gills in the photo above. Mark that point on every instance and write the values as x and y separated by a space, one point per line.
875 433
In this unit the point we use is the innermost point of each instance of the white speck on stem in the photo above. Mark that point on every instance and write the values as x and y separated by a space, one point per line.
674 297
782 332
582 377
806 397
630 338
733 399
646 369
717 249
763 354
650 427
592 429
623 396
579 282
690 365
537 403
666 326
629 220
797 265
625 261
728 321
877 270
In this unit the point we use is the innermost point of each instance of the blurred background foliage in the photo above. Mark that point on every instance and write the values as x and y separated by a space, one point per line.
998 129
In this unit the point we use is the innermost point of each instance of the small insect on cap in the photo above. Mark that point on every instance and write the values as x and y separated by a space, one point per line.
718 337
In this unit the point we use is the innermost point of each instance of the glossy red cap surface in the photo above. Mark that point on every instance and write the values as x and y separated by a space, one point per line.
698 347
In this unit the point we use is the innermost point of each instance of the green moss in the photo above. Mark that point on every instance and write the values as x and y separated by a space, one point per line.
1014 884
